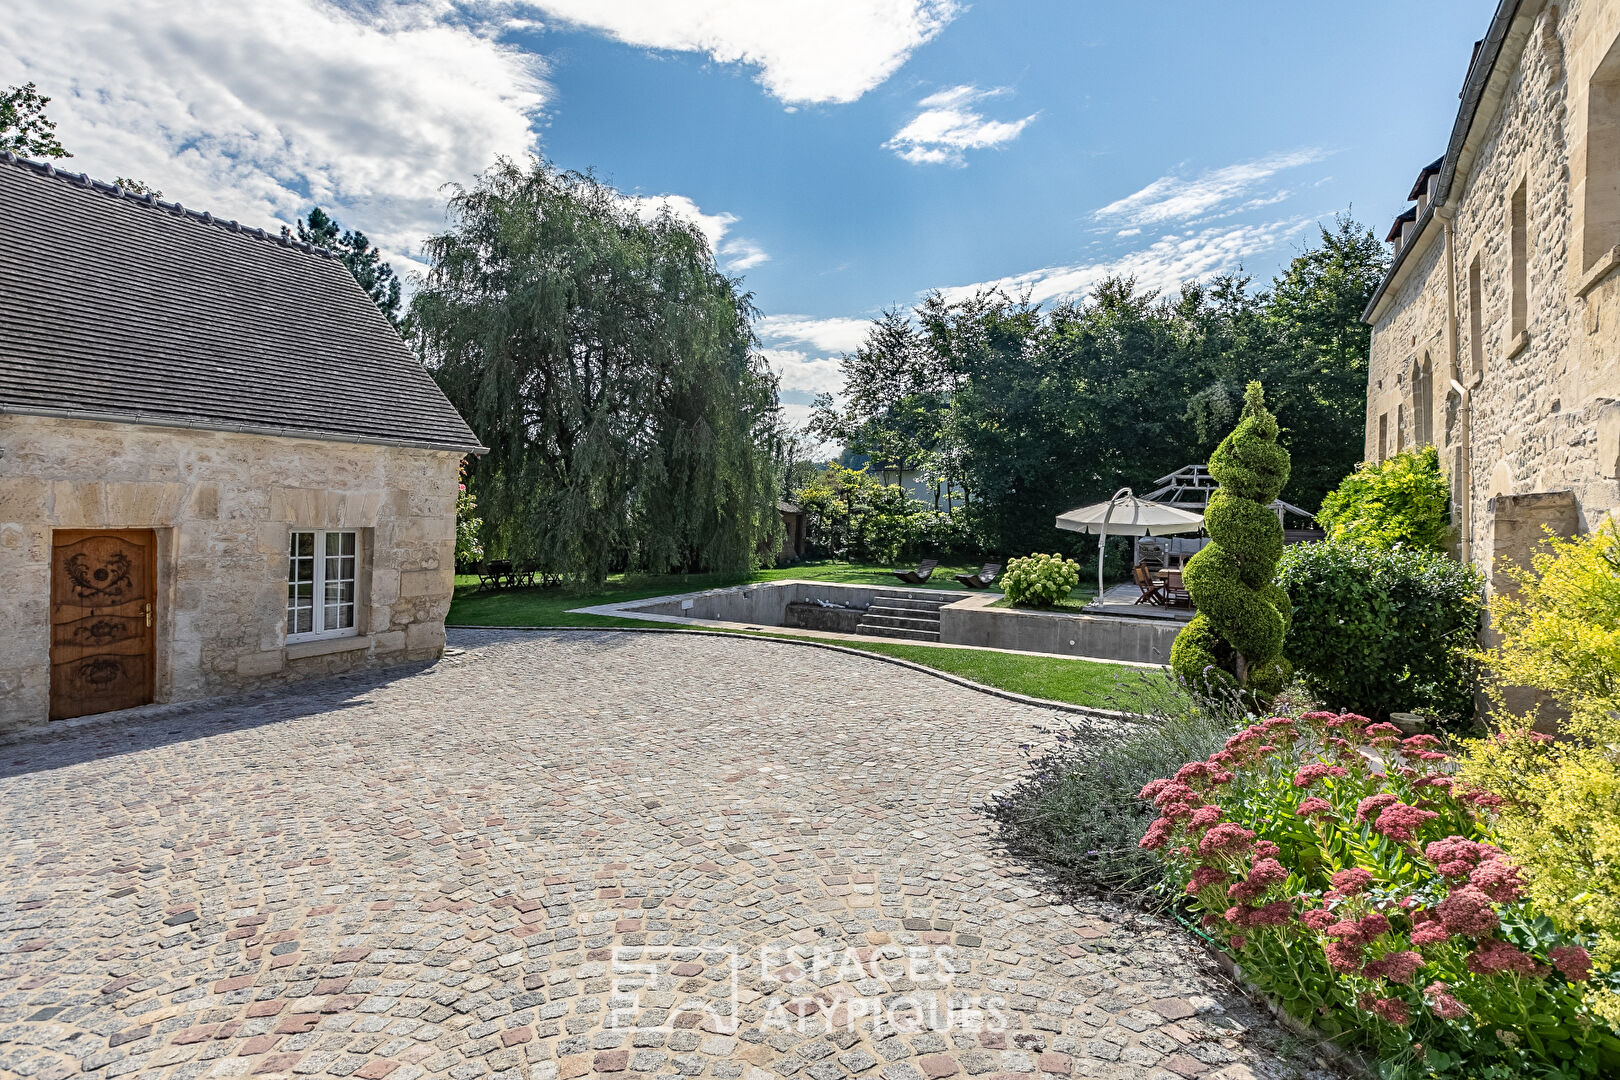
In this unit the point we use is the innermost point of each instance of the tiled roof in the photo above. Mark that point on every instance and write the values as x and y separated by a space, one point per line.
1409 214
116 306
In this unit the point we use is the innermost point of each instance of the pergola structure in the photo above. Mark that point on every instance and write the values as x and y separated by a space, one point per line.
1191 487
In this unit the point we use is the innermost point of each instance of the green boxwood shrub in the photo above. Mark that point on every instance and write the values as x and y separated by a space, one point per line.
1402 500
1378 630
1236 639
1040 580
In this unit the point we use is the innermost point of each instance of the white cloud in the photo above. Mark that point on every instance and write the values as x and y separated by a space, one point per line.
838 335
256 110
743 254
712 226
1163 265
738 253
803 372
1174 198
949 125
806 51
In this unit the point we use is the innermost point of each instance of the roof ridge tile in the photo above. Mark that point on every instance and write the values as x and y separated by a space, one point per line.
147 199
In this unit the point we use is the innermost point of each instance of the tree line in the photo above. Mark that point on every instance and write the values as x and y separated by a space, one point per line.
1031 411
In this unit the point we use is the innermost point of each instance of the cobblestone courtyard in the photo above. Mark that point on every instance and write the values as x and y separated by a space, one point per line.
539 859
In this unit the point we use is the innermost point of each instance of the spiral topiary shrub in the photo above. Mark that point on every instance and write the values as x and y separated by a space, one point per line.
1040 580
1236 639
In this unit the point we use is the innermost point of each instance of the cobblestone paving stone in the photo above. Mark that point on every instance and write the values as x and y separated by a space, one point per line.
537 859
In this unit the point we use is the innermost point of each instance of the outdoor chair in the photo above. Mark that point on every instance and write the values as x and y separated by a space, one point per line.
983 579
924 571
489 576
500 574
1175 592
1152 591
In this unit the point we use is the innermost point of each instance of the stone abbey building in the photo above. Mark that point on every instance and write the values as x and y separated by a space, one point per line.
1496 334
220 467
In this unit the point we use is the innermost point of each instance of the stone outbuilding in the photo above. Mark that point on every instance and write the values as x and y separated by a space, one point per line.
1496 334
220 467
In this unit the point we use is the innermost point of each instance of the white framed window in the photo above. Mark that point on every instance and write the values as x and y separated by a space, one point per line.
321 571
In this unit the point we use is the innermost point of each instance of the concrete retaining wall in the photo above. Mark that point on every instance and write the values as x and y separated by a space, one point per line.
968 620
767 604
838 620
1104 637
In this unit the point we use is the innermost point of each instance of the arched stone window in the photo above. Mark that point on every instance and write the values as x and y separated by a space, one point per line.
1600 201
1423 402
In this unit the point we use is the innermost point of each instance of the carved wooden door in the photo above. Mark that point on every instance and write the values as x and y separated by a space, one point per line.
103 600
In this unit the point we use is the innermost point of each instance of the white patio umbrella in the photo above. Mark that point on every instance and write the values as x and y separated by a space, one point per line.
1127 515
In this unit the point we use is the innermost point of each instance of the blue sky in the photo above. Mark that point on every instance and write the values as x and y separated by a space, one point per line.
843 155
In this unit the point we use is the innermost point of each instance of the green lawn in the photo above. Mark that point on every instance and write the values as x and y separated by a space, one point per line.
550 607
1074 603
1081 682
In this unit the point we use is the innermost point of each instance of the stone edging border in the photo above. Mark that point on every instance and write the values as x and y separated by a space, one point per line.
1021 699
1346 1059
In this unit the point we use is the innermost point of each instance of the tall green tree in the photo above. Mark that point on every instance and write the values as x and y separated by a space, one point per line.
364 261
610 367
895 395
24 127
1315 369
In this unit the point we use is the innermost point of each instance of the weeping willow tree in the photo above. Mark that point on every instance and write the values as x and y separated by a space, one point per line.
610 368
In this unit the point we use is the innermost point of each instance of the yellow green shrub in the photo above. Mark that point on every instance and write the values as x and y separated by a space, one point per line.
1560 800
1561 631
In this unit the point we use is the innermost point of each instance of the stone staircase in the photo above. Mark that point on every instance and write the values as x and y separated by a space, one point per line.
905 617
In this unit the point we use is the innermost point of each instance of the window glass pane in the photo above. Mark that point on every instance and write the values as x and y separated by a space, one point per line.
321 590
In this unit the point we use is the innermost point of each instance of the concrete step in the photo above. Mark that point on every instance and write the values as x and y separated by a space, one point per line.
914 603
877 630
899 620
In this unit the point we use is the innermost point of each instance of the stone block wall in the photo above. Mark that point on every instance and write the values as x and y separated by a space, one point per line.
1541 412
222 506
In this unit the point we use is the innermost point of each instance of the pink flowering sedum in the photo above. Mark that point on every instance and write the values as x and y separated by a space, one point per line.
1204 877
1467 912
1396 967
1572 962
1378 902
1401 822
1225 839
1352 881
1500 958
1498 879
1369 808
1444 1005
1313 807
1456 856
1429 933
1204 817
1318 919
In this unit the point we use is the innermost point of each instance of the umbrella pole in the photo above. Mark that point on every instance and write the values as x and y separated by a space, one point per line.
1102 538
